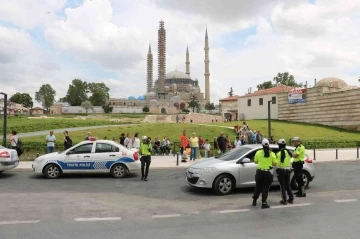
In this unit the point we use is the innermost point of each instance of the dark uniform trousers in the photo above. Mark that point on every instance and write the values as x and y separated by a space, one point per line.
298 174
145 164
263 181
284 180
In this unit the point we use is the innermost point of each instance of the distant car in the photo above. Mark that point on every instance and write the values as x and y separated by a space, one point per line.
236 169
8 159
99 156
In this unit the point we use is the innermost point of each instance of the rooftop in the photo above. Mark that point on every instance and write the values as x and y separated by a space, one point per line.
231 98
270 91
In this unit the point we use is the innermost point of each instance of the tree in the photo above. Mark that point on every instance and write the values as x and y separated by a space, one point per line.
107 109
22 98
146 109
209 106
45 96
231 92
286 79
77 93
194 103
87 105
99 93
265 85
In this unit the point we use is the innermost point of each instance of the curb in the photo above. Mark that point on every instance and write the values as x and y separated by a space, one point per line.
337 161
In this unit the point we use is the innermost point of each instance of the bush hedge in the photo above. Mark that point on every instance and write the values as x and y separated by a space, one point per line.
326 144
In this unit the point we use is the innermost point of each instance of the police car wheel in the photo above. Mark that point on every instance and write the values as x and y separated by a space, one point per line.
119 171
306 179
52 171
223 185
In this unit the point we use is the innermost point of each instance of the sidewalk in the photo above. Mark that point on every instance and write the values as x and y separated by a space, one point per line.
322 156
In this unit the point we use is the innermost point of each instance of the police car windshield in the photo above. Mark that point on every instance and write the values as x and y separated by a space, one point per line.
235 153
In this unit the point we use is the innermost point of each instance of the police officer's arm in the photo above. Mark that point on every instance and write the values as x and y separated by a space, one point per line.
256 158
274 161
295 154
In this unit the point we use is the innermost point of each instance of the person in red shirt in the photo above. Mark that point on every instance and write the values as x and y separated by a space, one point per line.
183 142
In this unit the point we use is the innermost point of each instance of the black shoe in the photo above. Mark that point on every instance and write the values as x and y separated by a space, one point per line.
283 202
145 179
290 201
142 178
303 195
264 205
254 202
297 193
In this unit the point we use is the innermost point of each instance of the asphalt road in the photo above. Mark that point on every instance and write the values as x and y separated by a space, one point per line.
165 207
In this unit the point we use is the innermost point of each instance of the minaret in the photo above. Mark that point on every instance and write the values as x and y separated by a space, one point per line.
187 61
207 72
161 60
149 70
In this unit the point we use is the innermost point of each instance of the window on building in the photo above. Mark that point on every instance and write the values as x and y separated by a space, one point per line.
249 102
273 99
261 101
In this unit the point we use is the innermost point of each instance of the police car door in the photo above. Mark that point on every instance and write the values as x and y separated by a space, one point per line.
248 170
78 159
105 155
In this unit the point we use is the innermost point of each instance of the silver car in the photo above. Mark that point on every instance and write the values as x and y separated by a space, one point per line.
236 169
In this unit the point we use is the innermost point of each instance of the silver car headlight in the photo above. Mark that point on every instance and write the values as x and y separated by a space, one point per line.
206 170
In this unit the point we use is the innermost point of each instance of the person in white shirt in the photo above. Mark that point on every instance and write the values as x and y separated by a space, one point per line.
14 139
50 142
127 141
166 146
237 142
136 141
206 147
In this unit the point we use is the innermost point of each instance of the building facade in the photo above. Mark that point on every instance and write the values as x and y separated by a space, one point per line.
255 105
229 108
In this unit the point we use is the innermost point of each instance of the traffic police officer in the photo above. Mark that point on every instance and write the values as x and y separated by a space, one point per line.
283 172
299 157
145 151
266 160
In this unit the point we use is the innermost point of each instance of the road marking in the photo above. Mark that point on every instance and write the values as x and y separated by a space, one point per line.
346 200
291 205
94 219
195 212
233 211
166 216
19 222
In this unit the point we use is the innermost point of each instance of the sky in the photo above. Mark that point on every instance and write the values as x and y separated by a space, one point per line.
55 41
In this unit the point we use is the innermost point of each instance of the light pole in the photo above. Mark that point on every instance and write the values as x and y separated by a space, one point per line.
5 117
269 119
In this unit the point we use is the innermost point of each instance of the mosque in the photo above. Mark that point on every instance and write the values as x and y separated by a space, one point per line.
171 92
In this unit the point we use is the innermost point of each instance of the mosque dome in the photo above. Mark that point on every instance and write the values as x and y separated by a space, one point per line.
153 102
141 97
131 98
332 82
167 88
177 75
175 98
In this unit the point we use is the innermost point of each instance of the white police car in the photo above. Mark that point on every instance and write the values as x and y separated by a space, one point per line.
93 156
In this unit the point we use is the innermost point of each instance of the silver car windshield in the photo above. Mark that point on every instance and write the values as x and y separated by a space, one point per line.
235 153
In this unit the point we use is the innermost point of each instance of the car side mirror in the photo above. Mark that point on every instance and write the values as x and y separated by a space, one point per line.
70 152
245 160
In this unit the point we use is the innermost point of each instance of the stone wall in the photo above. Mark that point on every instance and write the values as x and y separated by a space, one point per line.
195 117
324 106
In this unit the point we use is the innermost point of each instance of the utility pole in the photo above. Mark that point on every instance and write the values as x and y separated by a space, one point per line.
269 119
5 118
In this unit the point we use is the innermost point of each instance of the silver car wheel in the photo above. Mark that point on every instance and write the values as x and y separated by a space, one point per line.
53 172
305 179
119 171
225 185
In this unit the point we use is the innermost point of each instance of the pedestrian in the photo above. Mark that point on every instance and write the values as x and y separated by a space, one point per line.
145 151
136 141
13 139
183 142
243 140
206 147
67 140
265 160
122 139
299 157
237 142
50 142
88 136
177 118
221 143
283 172
194 144
128 141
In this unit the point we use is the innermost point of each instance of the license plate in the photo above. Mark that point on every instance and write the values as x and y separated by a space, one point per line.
189 175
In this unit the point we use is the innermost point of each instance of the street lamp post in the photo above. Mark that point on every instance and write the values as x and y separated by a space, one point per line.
269 119
5 118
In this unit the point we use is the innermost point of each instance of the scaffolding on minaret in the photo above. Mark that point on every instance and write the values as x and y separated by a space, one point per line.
149 70
161 60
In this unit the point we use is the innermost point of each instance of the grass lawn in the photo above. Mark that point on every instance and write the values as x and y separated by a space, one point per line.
287 130
29 124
